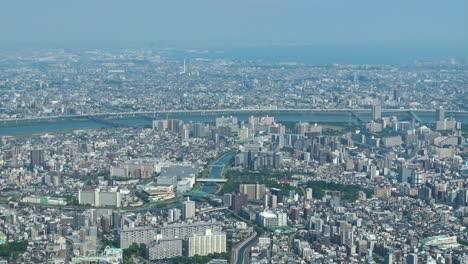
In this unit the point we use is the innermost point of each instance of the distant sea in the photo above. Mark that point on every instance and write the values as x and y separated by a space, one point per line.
330 54
369 53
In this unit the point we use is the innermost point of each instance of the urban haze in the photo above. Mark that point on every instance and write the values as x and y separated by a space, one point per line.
249 131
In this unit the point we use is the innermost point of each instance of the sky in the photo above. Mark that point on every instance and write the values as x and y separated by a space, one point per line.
427 25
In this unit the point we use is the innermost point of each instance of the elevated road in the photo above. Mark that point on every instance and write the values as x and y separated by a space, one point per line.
214 209
237 256
147 114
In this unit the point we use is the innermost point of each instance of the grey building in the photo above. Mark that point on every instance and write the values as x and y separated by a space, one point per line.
37 158
137 235
164 248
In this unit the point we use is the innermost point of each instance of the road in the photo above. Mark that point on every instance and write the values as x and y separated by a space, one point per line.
237 253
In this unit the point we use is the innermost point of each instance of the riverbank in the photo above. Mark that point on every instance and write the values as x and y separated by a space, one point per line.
12 128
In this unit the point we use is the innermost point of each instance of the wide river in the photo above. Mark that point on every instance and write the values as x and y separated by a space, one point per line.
28 128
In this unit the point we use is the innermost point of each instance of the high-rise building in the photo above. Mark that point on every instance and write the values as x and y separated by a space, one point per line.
183 230
116 219
110 199
440 114
278 193
188 209
209 243
198 129
376 111
227 199
243 133
238 200
37 158
173 215
88 197
174 125
160 125
184 133
389 258
253 191
137 235
99 198
164 248
273 201
396 94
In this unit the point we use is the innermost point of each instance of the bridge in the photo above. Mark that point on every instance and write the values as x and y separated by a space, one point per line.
413 115
213 180
148 114
214 209
355 115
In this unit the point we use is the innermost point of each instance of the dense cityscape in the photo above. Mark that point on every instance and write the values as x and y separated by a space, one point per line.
208 168
66 83
234 132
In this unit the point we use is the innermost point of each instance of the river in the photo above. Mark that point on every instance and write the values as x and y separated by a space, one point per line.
28 128
216 172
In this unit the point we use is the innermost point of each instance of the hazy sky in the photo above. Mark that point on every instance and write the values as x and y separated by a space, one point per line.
437 24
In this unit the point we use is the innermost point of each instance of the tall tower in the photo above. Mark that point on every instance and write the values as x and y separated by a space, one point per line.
376 111
440 114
